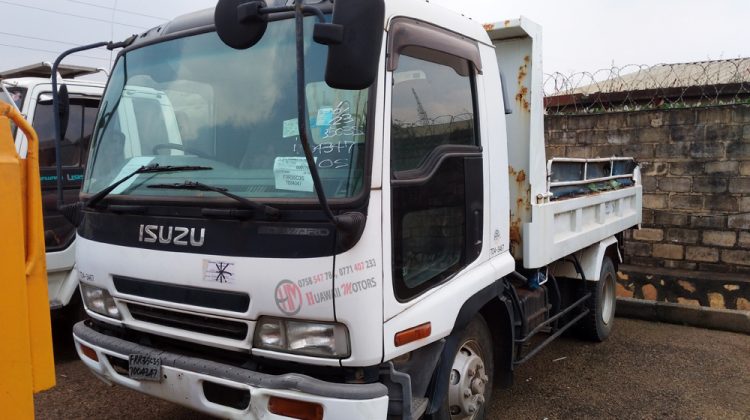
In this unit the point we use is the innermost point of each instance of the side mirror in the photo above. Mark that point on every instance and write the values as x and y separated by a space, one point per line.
239 23
354 39
63 110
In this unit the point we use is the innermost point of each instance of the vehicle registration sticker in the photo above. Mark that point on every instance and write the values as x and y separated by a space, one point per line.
143 367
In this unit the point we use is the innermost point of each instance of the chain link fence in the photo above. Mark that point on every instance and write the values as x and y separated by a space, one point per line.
637 87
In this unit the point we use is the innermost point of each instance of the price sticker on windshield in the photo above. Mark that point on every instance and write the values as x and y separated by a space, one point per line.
325 116
292 173
290 128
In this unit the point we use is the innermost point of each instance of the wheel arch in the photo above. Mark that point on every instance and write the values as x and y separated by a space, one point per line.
591 259
498 315
497 312
613 252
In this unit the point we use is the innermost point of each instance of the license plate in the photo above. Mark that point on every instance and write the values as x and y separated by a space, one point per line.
145 368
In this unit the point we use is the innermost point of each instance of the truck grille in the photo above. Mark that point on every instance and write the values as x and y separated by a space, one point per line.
188 295
196 323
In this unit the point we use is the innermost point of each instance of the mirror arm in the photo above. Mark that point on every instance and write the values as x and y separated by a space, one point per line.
315 11
71 213
302 124
252 8
122 44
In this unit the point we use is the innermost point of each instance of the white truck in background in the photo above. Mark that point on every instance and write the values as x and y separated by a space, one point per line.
29 89
376 233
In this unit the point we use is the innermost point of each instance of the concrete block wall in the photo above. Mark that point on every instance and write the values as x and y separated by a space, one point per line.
696 217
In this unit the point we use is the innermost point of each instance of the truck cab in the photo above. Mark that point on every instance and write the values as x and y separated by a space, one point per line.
255 242
30 90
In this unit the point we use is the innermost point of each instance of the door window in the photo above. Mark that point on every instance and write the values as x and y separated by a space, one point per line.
434 156
77 136
431 105
58 232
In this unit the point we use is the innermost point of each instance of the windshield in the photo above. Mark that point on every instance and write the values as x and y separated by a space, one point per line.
195 101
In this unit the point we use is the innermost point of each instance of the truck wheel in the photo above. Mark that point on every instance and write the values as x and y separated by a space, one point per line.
470 380
597 325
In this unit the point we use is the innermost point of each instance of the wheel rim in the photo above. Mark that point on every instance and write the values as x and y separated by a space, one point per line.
608 301
467 382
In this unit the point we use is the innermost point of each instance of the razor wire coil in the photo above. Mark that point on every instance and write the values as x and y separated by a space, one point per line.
641 87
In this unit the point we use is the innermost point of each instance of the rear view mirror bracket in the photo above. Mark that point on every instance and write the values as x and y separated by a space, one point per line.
328 33
241 23
250 12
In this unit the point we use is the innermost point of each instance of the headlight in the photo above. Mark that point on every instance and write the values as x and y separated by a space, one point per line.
99 300
320 339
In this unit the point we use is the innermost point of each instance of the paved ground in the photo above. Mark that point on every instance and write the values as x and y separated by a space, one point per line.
645 370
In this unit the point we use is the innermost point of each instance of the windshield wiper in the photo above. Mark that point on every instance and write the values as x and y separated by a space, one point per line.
73 213
269 211
153 168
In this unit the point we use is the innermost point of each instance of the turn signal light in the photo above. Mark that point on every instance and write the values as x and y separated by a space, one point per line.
296 409
89 352
412 334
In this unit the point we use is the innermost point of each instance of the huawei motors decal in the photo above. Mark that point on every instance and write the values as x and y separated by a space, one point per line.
288 297
314 289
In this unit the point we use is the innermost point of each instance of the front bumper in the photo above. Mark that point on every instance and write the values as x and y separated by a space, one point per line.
183 380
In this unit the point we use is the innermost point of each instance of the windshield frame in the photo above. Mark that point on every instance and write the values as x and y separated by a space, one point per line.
357 201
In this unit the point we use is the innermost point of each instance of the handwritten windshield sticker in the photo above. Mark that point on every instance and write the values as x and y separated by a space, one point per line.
218 271
333 155
291 129
343 123
325 116
292 173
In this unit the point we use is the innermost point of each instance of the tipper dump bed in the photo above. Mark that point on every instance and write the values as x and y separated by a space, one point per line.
558 205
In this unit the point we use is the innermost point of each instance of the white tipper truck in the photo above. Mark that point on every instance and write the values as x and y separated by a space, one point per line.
30 90
337 211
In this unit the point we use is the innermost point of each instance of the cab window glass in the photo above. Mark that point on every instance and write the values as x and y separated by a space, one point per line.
431 105
74 145
15 95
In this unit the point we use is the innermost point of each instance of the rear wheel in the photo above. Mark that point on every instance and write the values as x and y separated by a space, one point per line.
597 325
470 379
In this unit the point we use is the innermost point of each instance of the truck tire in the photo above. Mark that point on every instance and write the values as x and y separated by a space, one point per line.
470 380
597 325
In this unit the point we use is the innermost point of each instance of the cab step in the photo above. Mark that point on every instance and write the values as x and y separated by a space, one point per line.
418 408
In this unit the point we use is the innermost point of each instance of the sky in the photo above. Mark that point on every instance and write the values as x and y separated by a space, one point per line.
578 35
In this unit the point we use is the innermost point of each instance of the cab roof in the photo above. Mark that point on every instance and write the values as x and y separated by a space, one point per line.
44 70
417 9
